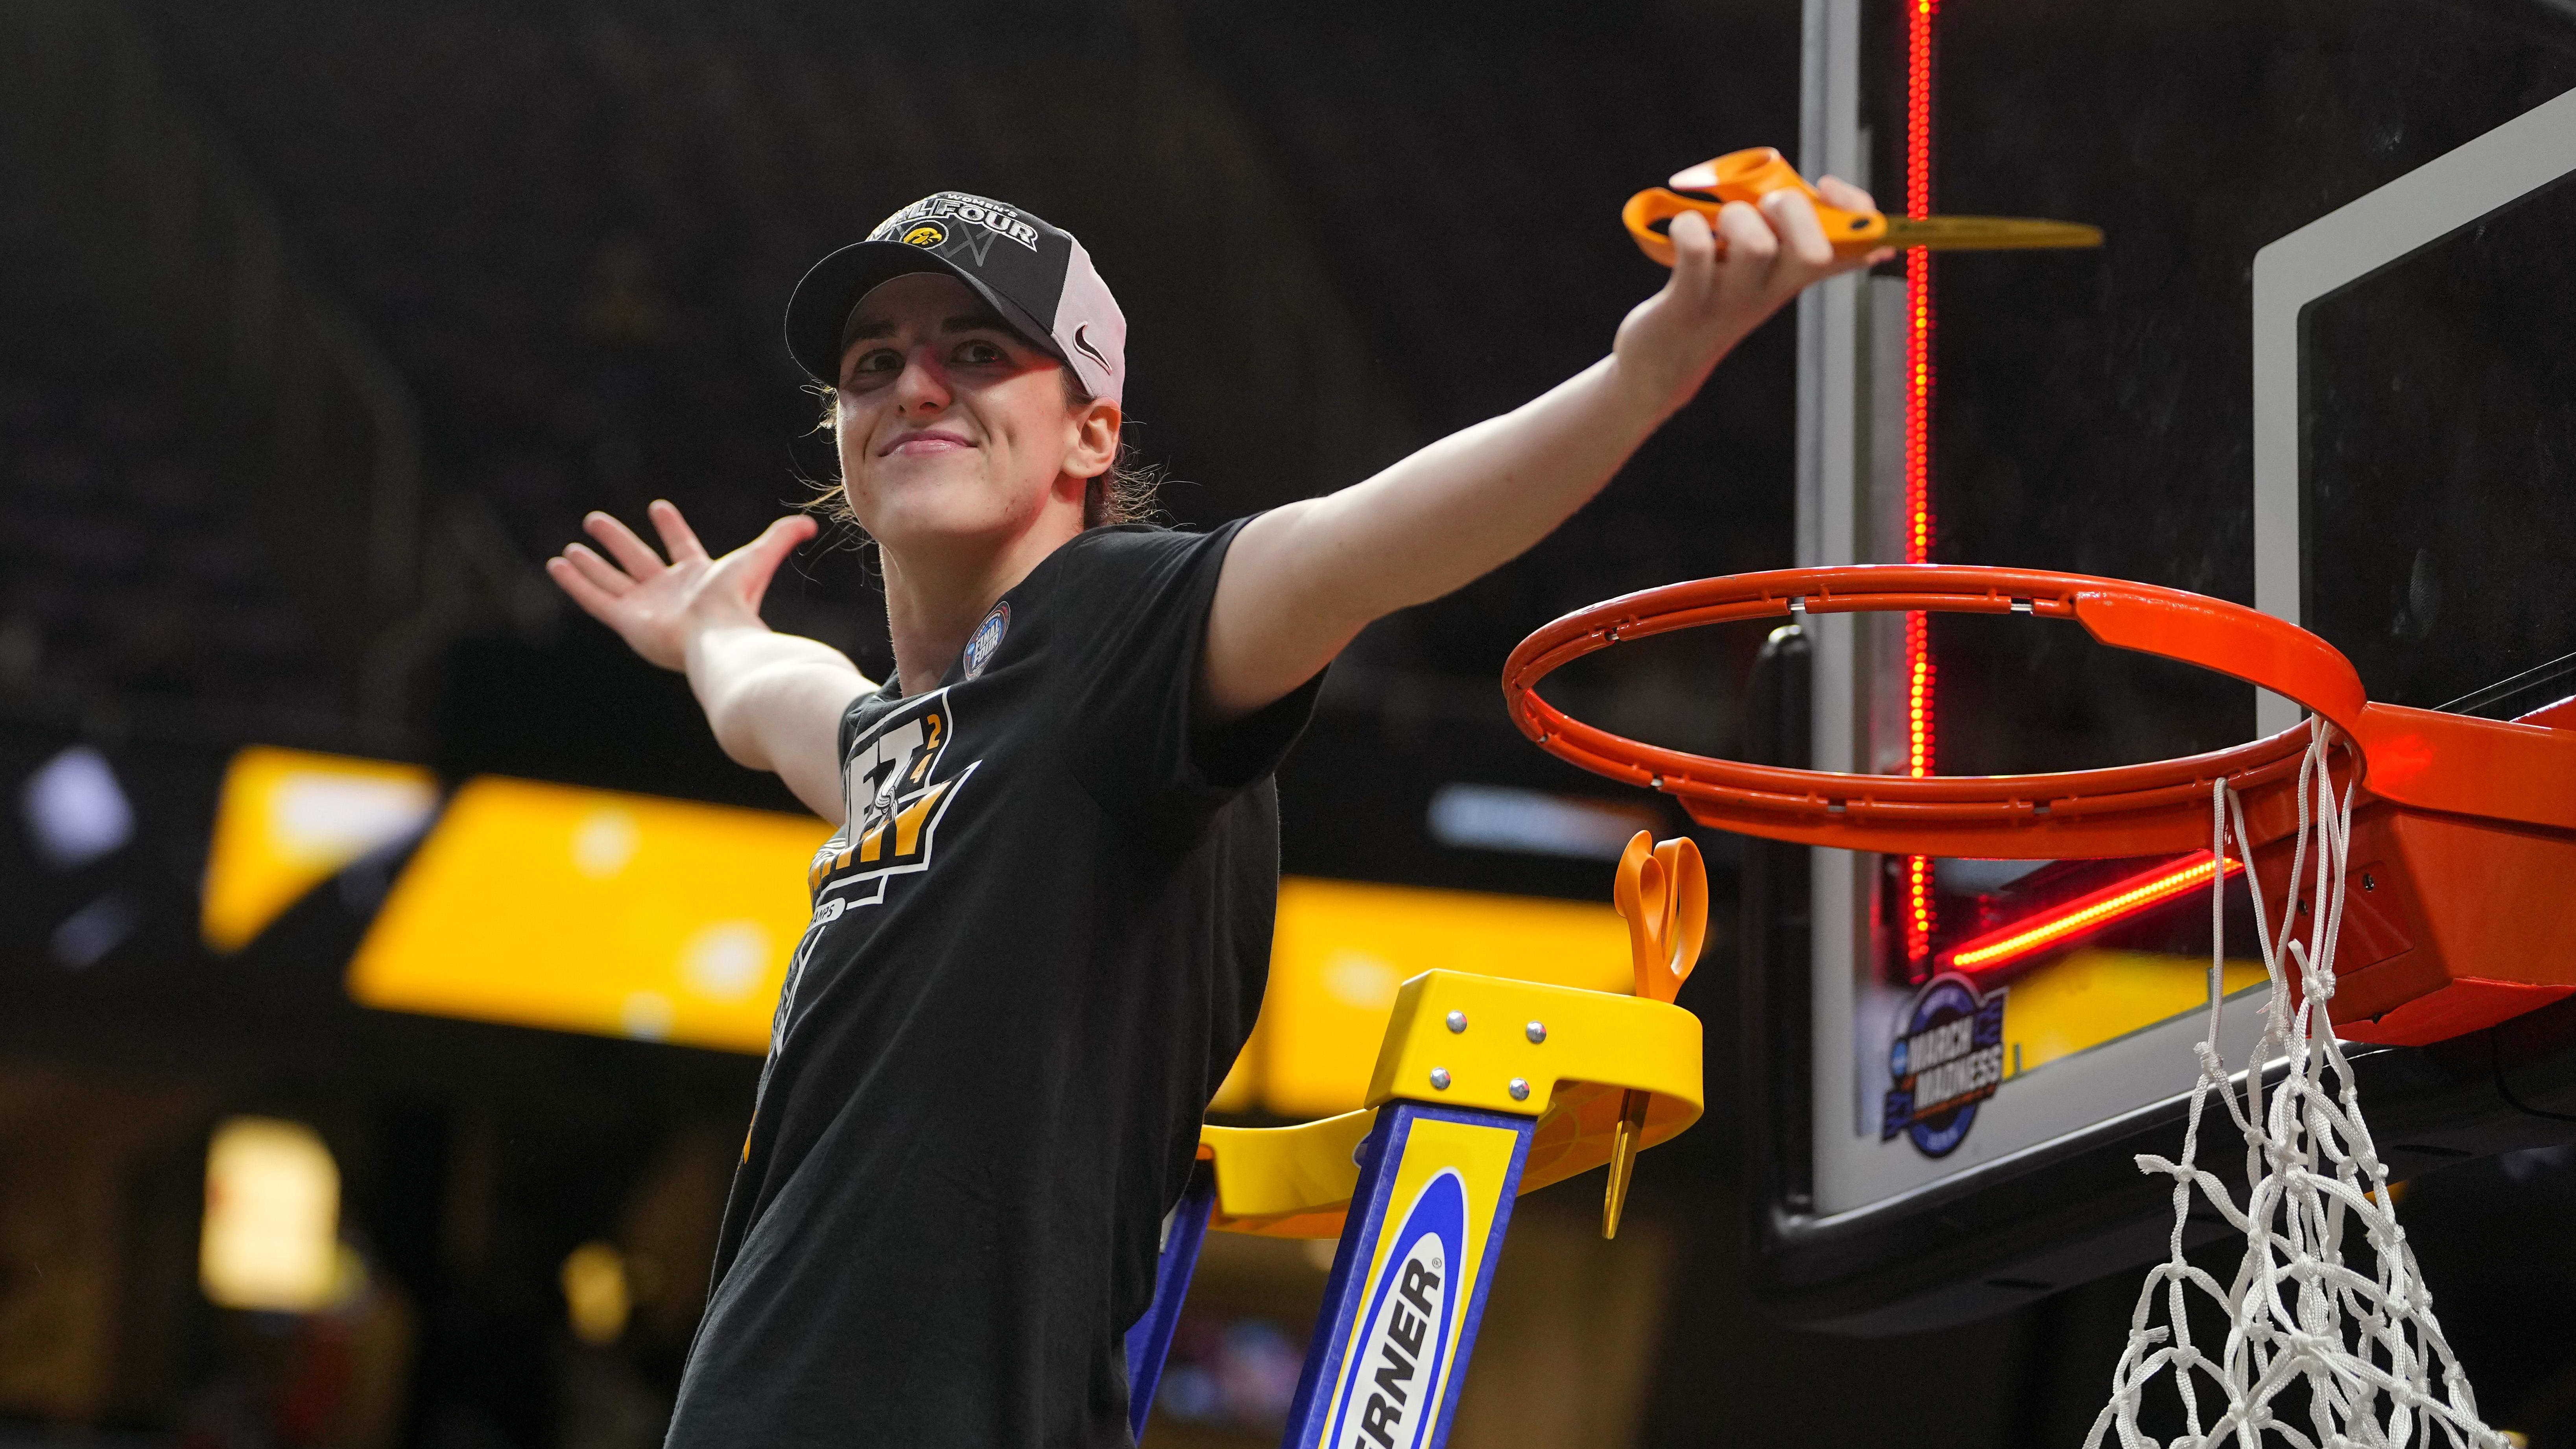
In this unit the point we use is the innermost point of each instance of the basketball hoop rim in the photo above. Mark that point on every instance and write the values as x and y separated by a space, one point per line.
1952 814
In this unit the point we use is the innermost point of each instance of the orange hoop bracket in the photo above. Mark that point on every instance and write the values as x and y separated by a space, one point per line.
2433 761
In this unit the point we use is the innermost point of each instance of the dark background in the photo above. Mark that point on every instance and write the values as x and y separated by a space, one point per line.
321 324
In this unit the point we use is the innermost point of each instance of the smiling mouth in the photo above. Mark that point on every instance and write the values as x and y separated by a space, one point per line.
921 443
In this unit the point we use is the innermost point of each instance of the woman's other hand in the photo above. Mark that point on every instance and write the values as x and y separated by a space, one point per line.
655 604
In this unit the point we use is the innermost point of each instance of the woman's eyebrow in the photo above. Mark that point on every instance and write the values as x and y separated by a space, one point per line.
986 321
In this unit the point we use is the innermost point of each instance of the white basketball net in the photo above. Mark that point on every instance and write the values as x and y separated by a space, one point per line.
2377 1372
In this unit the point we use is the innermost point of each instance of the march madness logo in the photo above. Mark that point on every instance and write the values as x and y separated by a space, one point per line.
1947 1057
894 794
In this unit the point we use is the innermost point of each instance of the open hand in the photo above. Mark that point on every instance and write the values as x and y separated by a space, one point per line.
657 606
1725 283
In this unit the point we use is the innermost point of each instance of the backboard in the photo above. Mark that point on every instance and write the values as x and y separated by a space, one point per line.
2318 368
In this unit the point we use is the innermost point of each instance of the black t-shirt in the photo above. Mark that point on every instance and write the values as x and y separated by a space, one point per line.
1036 948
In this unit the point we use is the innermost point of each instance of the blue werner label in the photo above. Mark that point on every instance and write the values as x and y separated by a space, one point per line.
1947 1057
1390 1384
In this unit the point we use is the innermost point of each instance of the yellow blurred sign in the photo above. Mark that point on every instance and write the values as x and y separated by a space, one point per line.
288 820
1342 949
591 911
2091 996
628 915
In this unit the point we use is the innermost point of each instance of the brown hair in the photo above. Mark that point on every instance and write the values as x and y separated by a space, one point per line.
1125 493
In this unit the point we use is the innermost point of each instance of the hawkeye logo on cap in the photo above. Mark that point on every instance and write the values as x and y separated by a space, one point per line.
927 234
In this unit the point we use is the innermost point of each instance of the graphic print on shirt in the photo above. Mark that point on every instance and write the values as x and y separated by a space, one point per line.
893 793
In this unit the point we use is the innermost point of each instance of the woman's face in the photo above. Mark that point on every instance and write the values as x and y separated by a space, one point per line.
952 429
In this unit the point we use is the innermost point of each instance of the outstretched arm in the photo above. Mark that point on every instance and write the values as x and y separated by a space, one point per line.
1301 580
774 700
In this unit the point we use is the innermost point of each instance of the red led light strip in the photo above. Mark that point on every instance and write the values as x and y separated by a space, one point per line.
1918 907
2085 913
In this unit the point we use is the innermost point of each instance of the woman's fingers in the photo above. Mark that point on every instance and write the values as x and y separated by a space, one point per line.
1802 236
595 601
1694 255
678 539
762 556
783 535
631 553
597 571
1838 192
1752 248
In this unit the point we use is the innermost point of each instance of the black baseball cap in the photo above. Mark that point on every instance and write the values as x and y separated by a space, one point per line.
1037 276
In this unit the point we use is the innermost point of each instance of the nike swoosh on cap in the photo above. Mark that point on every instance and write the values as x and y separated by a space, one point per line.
1084 343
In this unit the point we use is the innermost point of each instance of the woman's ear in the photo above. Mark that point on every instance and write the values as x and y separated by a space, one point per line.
1095 438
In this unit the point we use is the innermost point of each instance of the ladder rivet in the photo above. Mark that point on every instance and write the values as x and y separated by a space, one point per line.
1457 1021
1537 1031
1520 1089
1440 1079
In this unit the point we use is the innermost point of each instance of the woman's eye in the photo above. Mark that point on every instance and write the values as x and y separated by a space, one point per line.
981 352
875 364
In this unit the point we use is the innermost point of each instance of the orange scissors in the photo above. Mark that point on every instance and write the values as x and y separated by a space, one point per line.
1662 889
1751 175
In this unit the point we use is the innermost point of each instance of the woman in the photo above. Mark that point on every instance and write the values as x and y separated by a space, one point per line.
1040 934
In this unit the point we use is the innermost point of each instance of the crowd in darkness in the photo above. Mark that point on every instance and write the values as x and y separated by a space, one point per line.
562 273
572 230
125 569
